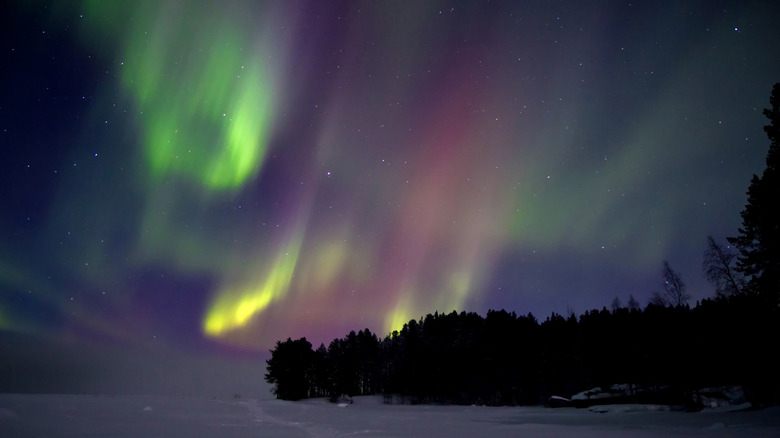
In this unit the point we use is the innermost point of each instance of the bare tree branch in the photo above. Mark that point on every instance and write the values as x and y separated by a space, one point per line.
718 267
673 287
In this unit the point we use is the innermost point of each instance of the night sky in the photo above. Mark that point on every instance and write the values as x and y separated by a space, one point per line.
212 175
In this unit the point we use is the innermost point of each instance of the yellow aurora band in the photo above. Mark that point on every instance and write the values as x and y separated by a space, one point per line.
235 306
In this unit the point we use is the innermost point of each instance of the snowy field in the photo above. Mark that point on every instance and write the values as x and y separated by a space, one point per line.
170 416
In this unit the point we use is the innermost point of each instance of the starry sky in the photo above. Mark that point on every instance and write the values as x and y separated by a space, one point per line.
215 176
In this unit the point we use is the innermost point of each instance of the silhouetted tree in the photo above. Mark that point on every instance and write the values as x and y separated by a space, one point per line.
290 369
322 381
633 304
616 305
657 299
388 365
758 240
561 367
718 266
673 287
367 345
344 362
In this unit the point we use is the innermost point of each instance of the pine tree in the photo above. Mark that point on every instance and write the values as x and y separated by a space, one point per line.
758 241
290 369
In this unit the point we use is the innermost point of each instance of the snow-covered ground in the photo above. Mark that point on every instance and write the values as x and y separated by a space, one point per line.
187 416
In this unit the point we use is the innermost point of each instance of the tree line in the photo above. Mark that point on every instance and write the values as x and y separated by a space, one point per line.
668 348
506 359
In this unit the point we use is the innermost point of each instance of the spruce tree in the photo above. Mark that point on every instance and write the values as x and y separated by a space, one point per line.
758 241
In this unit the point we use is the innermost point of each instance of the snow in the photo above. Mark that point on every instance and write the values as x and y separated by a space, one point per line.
185 416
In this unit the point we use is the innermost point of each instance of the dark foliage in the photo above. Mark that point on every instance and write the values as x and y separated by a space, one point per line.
506 359
758 240
291 369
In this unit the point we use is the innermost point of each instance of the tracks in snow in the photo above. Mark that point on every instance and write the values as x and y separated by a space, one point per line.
259 415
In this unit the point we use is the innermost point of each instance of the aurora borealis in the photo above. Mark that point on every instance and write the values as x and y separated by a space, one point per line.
233 173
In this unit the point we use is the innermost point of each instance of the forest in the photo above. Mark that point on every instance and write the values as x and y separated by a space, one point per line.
664 353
